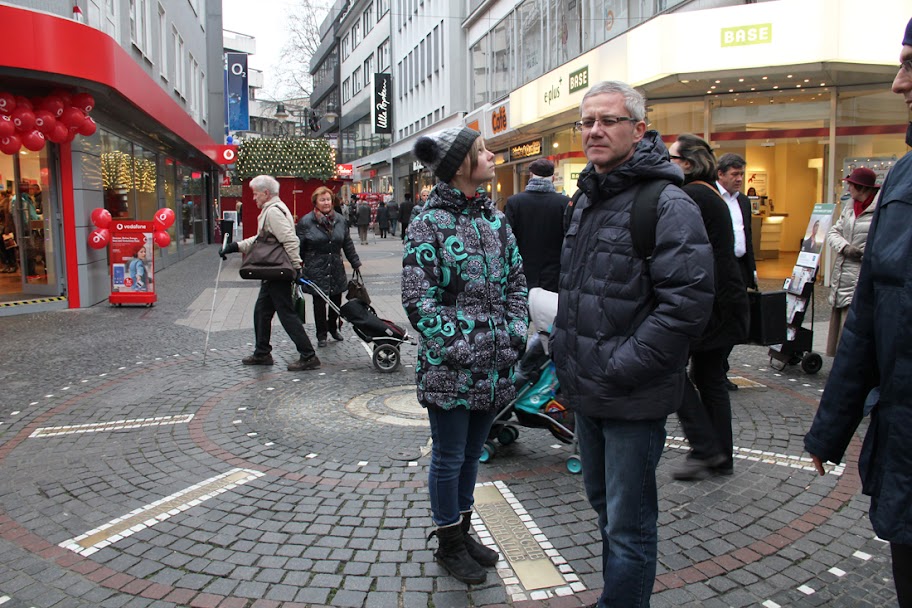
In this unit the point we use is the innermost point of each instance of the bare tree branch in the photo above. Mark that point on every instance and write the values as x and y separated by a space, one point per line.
292 77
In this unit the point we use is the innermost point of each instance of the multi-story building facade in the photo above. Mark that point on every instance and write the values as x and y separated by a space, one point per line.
155 70
802 103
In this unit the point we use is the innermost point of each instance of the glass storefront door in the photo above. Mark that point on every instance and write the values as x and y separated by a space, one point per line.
30 256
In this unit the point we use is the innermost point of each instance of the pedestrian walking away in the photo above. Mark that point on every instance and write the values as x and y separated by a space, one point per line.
536 217
275 296
471 314
847 237
393 208
872 372
405 213
623 329
323 241
383 219
363 220
705 412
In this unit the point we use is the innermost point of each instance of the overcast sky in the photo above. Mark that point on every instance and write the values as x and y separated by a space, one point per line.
264 20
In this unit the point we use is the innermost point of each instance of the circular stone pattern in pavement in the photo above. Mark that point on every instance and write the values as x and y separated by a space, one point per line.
396 405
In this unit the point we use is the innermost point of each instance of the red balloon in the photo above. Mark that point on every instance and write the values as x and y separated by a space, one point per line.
72 117
88 127
161 238
33 140
54 105
101 217
63 95
23 118
164 217
84 102
7 127
45 121
7 103
70 136
23 102
10 144
99 238
59 134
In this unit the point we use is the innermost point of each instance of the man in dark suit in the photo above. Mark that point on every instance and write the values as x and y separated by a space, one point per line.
729 179
405 213
536 217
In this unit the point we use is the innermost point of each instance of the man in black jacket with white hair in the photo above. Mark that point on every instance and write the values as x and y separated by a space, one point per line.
624 326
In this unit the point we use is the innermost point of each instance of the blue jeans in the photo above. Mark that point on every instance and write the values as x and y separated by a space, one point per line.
459 436
619 463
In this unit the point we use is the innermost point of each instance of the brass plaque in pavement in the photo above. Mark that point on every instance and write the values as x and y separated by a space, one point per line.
532 566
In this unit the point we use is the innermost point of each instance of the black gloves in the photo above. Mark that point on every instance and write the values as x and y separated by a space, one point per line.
299 274
852 252
231 247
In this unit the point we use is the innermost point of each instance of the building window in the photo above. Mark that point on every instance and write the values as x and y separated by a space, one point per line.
382 8
346 90
141 25
438 48
179 60
162 42
383 55
346 43
503 56
479 58
367 18
356 81
368 69
530 40
356 34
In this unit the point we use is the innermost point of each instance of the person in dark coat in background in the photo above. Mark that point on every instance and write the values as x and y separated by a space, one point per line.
383 219
363 220
537 217
623 329
729 179
872 371
405 213
323 239
705 413
393 208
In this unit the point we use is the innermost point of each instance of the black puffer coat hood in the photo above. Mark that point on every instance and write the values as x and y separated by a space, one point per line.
624 324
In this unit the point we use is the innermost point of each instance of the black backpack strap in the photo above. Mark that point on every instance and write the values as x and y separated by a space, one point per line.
571 207
644 216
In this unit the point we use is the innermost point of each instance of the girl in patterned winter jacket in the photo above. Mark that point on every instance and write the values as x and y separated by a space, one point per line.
464 290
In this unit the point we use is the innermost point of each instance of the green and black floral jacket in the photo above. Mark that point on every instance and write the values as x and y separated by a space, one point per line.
464 290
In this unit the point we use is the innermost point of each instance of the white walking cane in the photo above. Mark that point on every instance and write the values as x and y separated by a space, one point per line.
214 293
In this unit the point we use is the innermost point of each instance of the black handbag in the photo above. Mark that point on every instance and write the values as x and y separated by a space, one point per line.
267 260
356 288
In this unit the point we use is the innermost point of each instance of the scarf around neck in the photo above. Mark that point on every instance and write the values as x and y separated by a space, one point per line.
325 221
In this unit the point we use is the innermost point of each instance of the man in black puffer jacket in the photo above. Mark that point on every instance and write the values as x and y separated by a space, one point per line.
623 329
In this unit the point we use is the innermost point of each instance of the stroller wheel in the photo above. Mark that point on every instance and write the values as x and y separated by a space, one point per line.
488 452
574 464
386 358
507 435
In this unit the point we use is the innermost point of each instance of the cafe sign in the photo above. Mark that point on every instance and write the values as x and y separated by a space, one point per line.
531 148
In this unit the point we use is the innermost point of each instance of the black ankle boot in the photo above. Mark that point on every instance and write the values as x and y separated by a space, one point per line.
484 556
452 555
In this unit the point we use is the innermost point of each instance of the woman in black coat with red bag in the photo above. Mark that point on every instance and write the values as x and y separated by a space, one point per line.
705 413
324 236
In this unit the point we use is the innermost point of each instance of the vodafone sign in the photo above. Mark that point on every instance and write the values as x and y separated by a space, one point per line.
223 155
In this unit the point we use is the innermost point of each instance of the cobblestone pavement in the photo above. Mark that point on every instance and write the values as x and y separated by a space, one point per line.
131 474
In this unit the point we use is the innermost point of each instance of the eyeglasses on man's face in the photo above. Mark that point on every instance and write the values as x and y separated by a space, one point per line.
606 121
906 67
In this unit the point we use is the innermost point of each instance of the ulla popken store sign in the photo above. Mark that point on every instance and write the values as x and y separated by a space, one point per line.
382 108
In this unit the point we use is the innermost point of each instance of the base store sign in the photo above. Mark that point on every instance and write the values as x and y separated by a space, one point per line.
132 262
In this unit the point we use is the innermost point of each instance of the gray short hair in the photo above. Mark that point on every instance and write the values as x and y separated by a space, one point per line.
266 183
728 161
633 99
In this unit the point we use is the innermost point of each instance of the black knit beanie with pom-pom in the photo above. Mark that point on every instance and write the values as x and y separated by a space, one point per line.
444 152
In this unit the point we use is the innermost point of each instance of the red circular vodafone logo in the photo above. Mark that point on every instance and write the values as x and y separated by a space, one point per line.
228 155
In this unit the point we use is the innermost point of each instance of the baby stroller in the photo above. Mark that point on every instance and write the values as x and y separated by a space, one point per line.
385 336
537 403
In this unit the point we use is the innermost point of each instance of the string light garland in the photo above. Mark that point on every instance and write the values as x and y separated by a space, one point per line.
286 157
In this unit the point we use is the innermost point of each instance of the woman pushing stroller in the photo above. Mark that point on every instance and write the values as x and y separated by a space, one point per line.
324 236
464 291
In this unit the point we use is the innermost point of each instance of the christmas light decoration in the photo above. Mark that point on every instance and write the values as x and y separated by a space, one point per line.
286 157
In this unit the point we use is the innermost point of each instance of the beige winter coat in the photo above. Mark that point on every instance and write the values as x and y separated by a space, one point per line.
848 230
276 219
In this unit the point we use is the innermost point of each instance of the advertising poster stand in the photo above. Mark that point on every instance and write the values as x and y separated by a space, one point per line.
132 263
